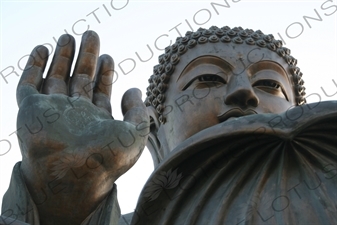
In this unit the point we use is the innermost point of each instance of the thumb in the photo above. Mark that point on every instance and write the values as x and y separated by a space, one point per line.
133 108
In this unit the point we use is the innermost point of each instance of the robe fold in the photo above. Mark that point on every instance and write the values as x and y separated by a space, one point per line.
18 205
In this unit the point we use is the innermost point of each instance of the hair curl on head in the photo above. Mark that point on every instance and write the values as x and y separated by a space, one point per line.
158 82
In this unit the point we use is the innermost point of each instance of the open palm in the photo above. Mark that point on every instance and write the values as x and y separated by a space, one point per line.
67 133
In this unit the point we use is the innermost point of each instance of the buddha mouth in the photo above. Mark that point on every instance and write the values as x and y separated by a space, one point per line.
234 113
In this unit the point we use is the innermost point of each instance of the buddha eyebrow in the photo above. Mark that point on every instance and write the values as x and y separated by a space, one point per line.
207 60
266 64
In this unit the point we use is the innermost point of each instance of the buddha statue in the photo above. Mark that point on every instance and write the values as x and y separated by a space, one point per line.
225 120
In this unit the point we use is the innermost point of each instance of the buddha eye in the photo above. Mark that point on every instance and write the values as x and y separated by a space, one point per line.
267 83
271 87
211 78
206 81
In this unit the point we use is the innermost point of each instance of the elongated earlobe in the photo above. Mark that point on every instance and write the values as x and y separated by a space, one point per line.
153 143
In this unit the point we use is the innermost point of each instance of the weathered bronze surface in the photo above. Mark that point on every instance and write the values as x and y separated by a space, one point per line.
226 124
74 134
256 169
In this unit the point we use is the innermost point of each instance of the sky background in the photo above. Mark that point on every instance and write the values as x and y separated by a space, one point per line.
126 27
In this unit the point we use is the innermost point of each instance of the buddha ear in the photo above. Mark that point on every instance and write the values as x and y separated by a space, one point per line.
153 143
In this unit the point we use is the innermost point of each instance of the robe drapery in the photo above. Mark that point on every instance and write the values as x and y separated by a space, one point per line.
18 205
258 169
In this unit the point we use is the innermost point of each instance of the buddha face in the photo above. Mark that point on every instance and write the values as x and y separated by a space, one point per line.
217 82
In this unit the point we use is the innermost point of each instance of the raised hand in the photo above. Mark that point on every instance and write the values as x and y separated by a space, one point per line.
72 148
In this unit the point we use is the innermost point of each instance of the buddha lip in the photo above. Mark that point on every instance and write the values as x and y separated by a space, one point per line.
235 112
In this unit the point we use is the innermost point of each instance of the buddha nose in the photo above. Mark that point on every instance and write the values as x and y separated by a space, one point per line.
241 93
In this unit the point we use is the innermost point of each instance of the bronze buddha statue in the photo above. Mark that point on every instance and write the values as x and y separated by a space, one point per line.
225 120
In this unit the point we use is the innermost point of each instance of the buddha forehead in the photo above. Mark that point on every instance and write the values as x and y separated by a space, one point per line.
228 56
227 60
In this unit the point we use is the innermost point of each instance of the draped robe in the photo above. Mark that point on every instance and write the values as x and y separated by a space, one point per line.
258 169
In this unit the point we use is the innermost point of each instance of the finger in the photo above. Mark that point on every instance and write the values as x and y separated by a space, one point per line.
59 71
133 108
103 83
31 79
81 83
